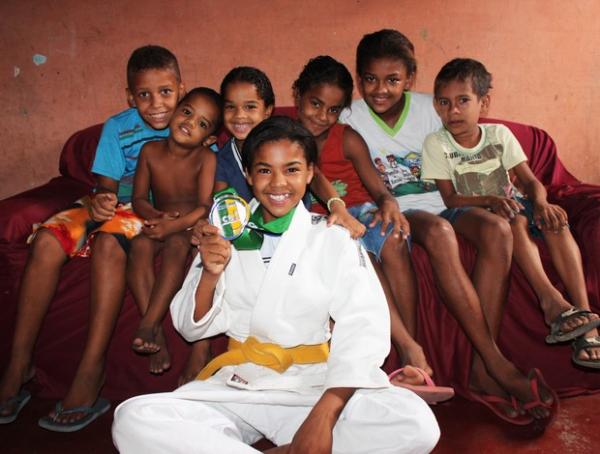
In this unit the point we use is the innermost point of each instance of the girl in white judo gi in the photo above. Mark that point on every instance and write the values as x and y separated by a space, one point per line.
287 376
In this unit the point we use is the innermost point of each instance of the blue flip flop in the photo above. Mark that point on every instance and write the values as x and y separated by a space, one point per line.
100 407
17 402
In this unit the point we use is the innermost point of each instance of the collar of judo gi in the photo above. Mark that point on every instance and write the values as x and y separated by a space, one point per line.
253 235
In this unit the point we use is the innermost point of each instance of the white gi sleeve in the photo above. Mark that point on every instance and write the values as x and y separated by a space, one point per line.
183 304
360 340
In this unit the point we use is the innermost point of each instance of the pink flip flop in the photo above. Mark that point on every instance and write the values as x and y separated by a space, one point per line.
429 392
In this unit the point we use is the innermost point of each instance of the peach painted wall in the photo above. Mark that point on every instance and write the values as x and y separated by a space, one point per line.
544 55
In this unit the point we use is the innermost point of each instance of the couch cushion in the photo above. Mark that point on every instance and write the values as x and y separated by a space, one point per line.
20 212
78 154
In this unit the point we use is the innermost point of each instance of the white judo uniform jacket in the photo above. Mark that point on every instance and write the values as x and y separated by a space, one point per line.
316 272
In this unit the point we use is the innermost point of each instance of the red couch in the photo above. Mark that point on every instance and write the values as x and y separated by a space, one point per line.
62 337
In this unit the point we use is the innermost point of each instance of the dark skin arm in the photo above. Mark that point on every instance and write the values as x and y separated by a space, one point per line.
324 190
547 216
104 203
502 206
219 186
215 253
315 435
357 152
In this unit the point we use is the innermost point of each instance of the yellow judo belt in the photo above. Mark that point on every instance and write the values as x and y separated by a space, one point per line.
265 354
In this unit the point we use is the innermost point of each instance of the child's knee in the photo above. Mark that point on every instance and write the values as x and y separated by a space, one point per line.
127 424
141 245
519 227
45 243
106 246
177 246
401 420
496 228
395 249
439 234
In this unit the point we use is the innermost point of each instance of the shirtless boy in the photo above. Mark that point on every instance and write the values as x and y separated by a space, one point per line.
179 171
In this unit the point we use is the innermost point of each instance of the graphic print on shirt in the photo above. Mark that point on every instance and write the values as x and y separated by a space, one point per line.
402 174
481 173
339 186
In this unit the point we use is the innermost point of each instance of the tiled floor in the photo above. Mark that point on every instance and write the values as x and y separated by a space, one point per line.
467 428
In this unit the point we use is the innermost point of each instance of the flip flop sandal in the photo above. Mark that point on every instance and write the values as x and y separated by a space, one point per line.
100 407
556 335
17 402
583 343
535 379
497 404
429 392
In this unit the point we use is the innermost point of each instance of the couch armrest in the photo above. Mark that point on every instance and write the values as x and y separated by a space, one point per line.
19 212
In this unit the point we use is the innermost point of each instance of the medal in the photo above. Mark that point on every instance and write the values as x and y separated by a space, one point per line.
230 213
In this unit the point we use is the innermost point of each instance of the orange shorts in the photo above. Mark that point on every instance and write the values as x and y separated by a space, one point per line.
74 228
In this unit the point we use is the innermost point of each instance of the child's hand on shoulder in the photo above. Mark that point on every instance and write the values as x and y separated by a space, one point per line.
104 206
215 251
504 207
160 227
550 217
340 216
389 213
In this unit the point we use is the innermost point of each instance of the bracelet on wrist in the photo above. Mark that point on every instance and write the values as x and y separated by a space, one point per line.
334 199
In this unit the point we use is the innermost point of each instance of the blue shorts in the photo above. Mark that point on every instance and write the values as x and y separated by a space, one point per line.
372 240
452 214
527 211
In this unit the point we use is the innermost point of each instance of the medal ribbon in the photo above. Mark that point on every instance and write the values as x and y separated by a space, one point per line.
252 237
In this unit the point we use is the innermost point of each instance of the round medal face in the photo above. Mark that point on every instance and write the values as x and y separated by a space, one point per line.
230 213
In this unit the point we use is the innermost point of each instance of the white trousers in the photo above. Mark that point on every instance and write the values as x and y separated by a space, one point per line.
391 420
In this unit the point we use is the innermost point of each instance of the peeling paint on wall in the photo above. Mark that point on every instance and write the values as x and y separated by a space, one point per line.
39 59
16 71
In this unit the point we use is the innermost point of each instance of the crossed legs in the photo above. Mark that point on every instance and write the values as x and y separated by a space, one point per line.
460 296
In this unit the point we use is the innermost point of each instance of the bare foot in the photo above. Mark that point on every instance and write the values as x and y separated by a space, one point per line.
554 304
14 378
161 360
144 340
518 385
409 376
196 362
83 392
591 353
412 354
575 322
483 384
